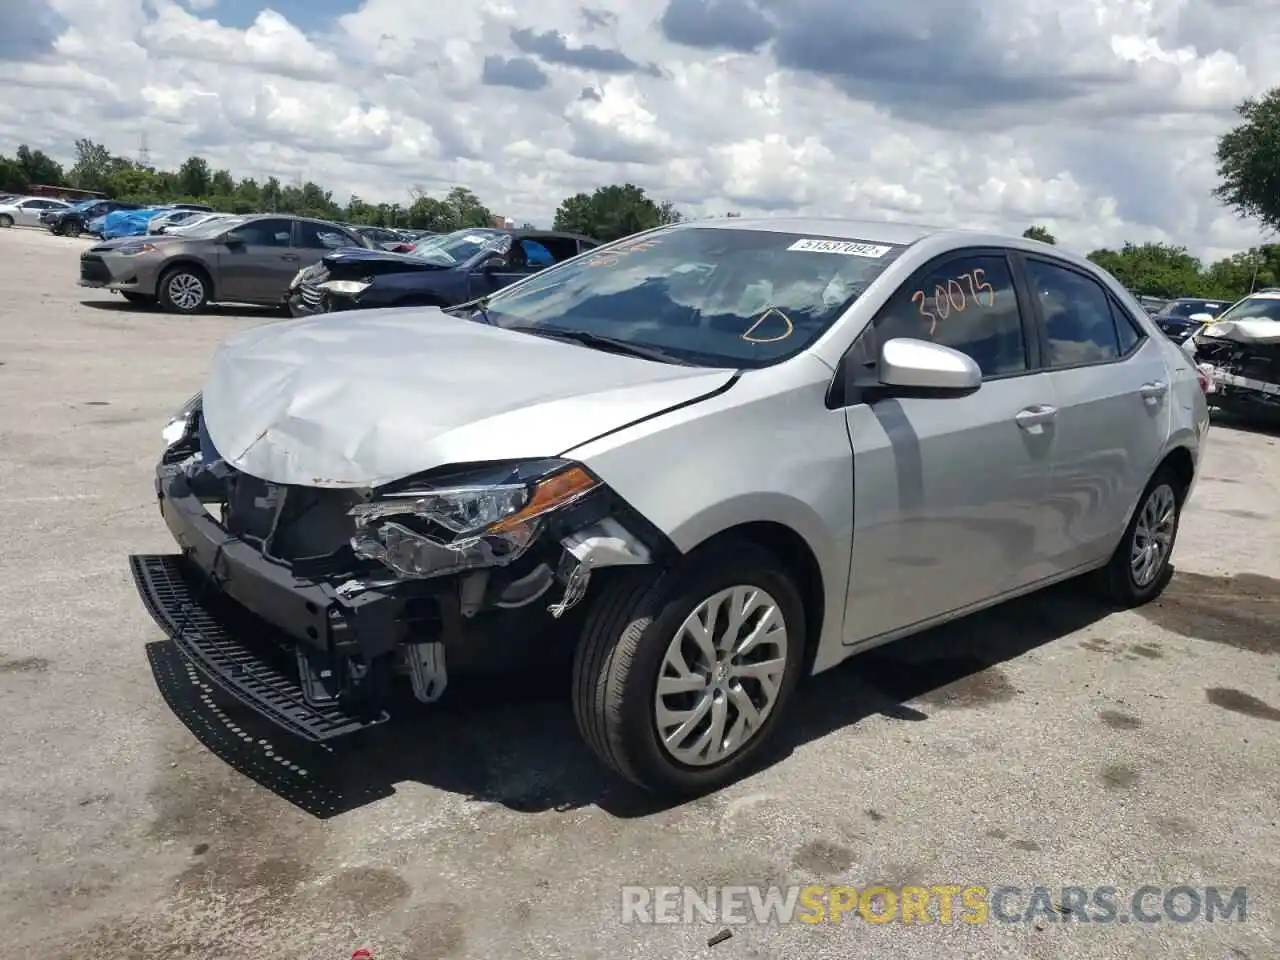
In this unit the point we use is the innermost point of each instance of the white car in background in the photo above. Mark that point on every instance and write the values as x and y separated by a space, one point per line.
164 222
26 211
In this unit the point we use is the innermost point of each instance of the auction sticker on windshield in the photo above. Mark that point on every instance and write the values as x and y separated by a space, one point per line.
845 248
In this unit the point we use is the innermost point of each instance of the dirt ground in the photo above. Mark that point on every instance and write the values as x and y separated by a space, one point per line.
1049 742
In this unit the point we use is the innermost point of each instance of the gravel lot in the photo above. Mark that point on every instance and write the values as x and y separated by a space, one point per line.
1048 742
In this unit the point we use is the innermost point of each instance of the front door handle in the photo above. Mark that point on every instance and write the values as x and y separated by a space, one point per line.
1154 390
1036 416
289 256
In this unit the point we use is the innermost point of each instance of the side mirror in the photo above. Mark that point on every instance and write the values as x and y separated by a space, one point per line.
494 265
233 239
1201 317
909 366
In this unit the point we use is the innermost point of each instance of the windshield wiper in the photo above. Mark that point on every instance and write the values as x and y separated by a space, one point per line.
609 344
477 307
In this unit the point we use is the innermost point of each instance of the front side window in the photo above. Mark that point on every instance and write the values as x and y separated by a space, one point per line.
968 304
709 296
1254 308
1077 315
266 233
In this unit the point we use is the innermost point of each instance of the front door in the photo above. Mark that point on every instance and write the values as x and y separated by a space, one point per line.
1113 395
949 492
258 269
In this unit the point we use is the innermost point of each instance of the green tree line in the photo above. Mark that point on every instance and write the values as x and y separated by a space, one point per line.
1248 158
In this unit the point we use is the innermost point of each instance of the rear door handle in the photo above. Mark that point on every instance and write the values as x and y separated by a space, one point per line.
1036 416
1153 390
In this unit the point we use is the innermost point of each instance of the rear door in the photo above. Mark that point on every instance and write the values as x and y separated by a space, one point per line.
1113 399
259 269
949 492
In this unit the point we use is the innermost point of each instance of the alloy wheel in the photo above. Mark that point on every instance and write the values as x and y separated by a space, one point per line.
721 676
1153 535
186 291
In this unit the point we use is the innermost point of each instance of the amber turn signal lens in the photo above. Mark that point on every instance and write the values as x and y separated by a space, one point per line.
550 494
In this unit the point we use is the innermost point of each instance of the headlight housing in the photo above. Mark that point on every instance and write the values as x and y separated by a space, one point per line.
346 288
182 425
134 249
484 518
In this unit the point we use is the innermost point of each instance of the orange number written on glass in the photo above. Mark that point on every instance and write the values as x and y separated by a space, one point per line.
954 296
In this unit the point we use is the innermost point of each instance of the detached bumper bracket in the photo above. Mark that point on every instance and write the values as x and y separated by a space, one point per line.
201 632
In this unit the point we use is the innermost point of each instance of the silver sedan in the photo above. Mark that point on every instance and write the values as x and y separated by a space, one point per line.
706 461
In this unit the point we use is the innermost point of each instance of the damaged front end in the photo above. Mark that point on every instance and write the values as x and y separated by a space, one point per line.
1241 361
310 603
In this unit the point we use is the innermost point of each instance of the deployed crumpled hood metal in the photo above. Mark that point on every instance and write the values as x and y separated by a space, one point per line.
364 398
1244 331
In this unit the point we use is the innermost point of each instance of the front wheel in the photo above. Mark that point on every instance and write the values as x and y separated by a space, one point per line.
6 221
680 679
184 290
1140 568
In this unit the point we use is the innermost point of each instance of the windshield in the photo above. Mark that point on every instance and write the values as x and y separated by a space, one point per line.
450 249
1186 308
710 296
1254 308
212 228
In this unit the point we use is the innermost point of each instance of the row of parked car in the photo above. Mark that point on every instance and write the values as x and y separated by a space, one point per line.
310 266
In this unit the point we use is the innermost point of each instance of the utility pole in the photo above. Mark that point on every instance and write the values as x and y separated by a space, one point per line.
144 154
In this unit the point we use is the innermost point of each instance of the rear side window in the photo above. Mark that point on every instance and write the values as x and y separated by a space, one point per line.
315 236
1079 326
967 303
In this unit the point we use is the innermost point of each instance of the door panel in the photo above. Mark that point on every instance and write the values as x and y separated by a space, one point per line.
1113 395
258 271
949 492
948 502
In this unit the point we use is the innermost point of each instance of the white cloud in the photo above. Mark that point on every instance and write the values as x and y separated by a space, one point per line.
1095 118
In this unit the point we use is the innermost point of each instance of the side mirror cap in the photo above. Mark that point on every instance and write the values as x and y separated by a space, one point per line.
233 239
1201 317
917 367
494 265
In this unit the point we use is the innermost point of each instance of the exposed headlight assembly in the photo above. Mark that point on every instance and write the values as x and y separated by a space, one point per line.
484 519
183 423
346 288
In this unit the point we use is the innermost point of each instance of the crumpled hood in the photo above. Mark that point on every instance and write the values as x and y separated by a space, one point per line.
362 399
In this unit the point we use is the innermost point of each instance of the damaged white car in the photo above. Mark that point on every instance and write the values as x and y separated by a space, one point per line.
1239 355
703 462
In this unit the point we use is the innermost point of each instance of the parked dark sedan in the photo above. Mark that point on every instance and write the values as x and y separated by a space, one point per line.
1175 317
441 271
73 222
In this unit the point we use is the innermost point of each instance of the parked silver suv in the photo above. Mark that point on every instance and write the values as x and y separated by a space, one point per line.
707 460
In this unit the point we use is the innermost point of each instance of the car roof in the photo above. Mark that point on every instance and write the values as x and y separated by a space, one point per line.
840 228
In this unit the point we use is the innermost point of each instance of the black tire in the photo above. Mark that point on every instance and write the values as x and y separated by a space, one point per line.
140 299
628 627
6 221
1117 579
186 276
70 230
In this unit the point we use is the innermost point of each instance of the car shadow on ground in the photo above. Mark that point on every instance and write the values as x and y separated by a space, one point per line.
120 305
512 739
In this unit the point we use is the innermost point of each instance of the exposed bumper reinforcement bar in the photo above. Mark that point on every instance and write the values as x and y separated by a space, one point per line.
207 631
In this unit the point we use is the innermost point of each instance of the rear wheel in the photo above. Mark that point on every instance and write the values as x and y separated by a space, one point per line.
680 679
1140 568
184 290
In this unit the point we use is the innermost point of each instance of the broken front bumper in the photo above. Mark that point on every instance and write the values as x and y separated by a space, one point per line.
313 655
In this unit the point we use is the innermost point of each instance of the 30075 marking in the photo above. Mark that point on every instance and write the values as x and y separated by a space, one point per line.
952 297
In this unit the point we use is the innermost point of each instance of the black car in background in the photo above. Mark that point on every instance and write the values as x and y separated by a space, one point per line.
441 271
384 238
1174 318
73 222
